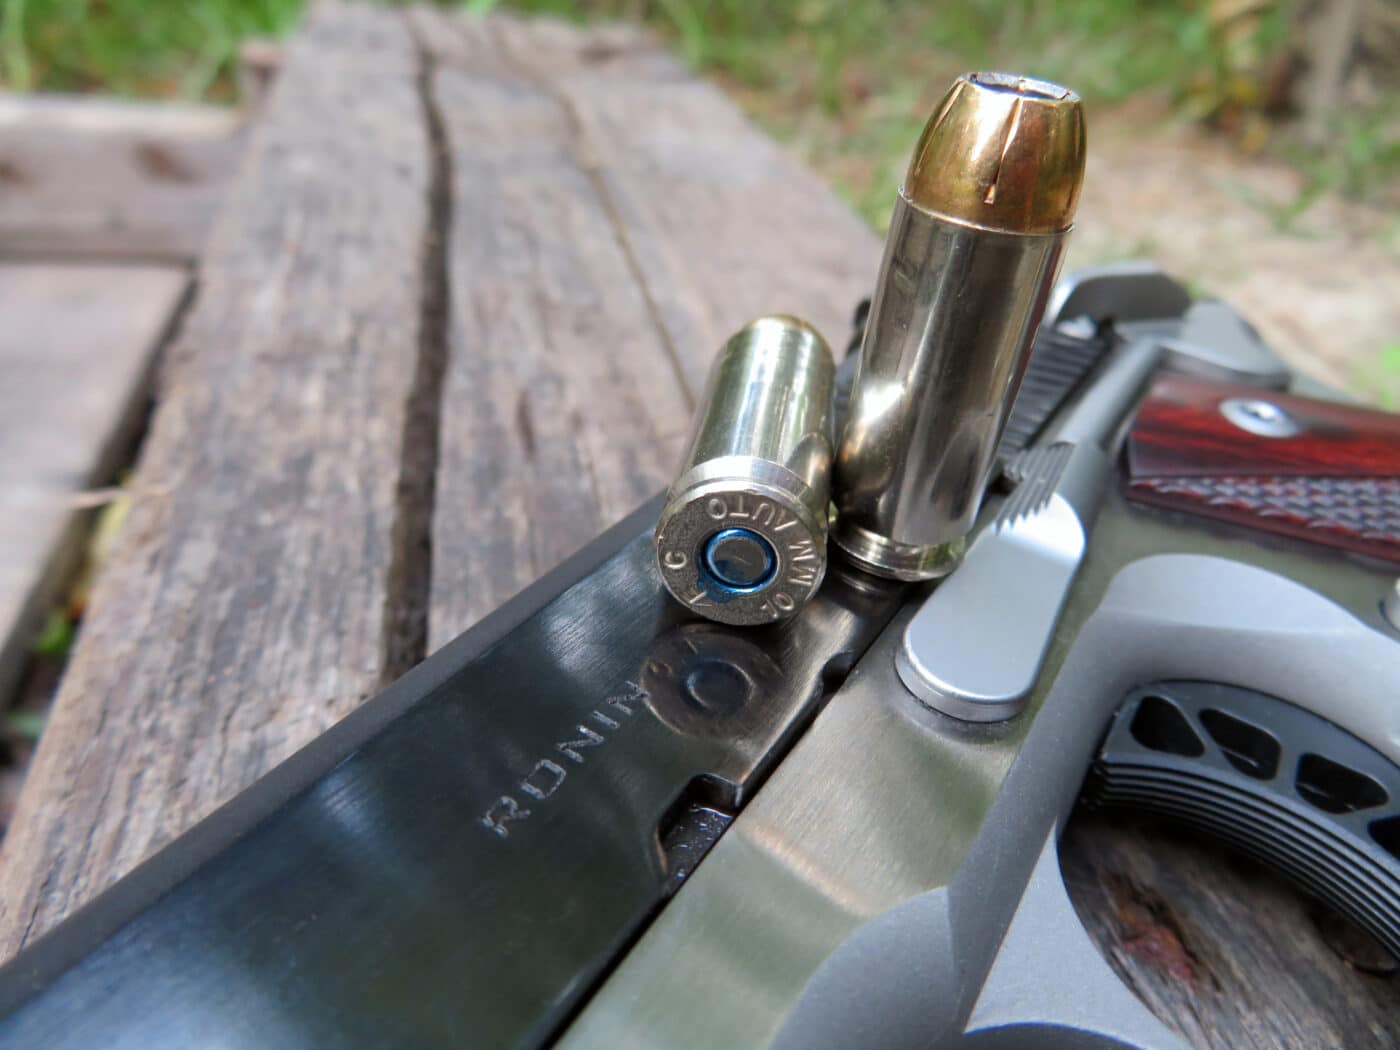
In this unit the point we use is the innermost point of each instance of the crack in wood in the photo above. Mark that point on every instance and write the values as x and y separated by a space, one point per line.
586 156
410 575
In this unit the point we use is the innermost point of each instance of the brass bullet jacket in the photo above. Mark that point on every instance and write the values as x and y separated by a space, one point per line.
974 246
1002 152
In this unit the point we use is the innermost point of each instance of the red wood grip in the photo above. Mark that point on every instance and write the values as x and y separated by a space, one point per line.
1336 480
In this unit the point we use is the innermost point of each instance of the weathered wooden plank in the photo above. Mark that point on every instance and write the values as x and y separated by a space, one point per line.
723 224
247 604
76 348
1219 948
617 220
91 178
741 228
561 408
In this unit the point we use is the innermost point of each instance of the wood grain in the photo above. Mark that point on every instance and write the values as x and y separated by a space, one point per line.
245 608
1180 431
724 226
1336 481
616 220
87 177
561 408
1221 949
76 349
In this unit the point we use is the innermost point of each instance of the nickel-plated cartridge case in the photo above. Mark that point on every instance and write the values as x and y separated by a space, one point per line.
974 246
742 539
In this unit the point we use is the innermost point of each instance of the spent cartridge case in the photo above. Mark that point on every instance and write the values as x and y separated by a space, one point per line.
742 538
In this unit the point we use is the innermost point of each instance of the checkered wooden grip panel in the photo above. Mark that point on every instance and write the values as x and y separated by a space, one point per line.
1335 482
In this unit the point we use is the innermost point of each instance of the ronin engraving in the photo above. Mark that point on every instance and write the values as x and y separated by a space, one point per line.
543 780
546 777
573 748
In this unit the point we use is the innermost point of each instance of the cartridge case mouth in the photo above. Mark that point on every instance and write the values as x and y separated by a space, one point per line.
1001 152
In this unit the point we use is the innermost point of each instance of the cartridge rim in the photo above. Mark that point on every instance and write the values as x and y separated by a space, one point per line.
897 561
778 517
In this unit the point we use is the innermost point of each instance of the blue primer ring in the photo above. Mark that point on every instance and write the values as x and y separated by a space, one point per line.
730 578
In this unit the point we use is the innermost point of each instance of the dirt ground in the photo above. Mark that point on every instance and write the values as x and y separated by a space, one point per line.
1325 292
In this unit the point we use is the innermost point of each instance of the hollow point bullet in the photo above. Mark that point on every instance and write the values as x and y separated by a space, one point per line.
975 243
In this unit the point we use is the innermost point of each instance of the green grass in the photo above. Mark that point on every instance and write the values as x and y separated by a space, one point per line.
849 82
1361 159
1113 48
1379 379
183 49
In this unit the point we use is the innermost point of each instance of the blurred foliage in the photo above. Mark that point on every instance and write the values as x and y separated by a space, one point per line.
56 636
1379 378
1114 48
851 82
1361 158
22 726
184 49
